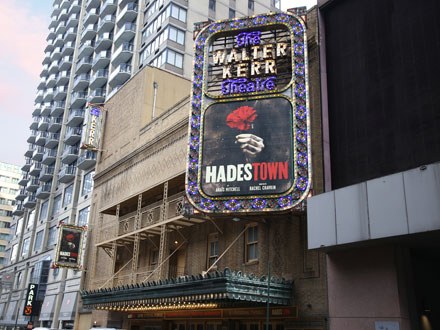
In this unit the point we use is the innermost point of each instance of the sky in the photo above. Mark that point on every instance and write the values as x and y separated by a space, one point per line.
23 31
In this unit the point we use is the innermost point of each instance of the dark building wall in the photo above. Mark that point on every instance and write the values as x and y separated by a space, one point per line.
383 86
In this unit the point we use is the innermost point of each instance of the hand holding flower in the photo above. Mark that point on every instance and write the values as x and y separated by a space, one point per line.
250 144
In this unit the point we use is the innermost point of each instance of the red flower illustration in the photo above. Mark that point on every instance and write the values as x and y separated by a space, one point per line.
70 237
241 118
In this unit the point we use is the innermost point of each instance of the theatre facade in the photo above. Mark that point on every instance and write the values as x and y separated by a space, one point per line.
169 250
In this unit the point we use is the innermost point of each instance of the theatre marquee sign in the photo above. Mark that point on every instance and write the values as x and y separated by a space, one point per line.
249 142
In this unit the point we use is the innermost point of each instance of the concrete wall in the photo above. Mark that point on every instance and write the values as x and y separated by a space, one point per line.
363 289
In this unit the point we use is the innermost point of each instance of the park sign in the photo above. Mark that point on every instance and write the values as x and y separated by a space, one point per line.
249 131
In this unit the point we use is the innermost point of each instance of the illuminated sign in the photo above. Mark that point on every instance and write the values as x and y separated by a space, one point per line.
29 305
93 128
69 246
249 139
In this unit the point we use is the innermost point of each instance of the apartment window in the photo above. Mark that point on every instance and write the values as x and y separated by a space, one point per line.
251 239
51 239
83 216
174 58
14 253
276 3
38 240
19 227
67 197
176 35
18 280
87 183
212 5
25 249
212 248
251 4
4 224
43 210
178 13
154 257
31 220
231 13
56 204
4 237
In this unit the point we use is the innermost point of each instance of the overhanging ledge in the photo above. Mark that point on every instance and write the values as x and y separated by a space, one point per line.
195 291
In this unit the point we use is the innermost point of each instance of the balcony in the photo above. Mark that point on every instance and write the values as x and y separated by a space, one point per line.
123 54
92 4
30 201
63 77
87 159
128 13
39 96
99 78
27 165
91 17
35 122
75 6
51 80
51 34
30 150
84 65
79 99
42 83
21 194
125 33
41 138
61 27
60 94
44 123
24 179
97 95
32 185
70 154
69 48
49 47
44 70
48 95
104 41
36 166
57 108
63 14
101 60
33 136
52 140
56 54
89 32
106 24
46 61
86 49
55 124
67 174
50 156
46 173
73 135
108 7
65 65
76 117
81 82
18 210
43 191
59 41
53 67
46 108
120 75
70 34
38 154
73 21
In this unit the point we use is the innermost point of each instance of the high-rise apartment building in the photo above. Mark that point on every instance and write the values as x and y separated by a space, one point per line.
93 48
9 176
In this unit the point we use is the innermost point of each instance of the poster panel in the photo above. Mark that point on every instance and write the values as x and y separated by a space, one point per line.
69 246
